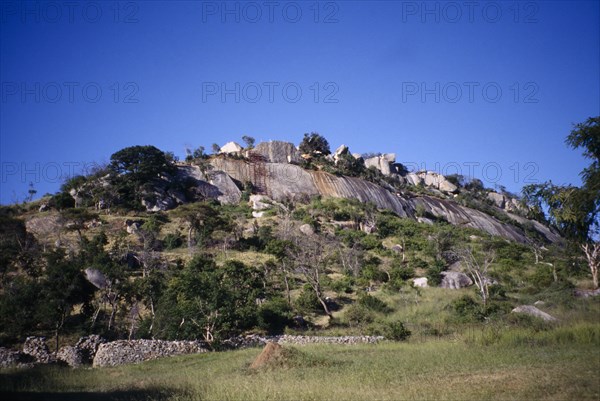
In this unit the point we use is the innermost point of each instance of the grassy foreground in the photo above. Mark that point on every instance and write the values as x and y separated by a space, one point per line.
433 370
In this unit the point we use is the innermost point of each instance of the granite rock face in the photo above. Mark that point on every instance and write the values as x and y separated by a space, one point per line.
71 356
283 182
278 152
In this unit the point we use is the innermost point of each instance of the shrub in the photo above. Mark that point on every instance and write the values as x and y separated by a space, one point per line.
274 315
396 331
308 302
373 303
358 315
172 241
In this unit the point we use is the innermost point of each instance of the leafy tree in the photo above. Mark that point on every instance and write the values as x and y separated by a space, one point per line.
210 302
314 143
574 210
216 148
141 163
76 218
249 141
136 167
201 218
19 301
17 246
62 288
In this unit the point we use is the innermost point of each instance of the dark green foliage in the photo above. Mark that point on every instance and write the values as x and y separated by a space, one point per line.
396 331
357 315
434 273
350 166
210 302
274 315
308 302
135 169
172 241
62 200
373 303
19 304
314 143
15 245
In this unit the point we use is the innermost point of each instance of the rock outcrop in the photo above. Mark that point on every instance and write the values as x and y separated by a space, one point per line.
124 352
278 152
36 348
71 356
455 280
283 182
231 147
533 311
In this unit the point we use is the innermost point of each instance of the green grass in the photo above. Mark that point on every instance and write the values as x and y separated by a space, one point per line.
435 370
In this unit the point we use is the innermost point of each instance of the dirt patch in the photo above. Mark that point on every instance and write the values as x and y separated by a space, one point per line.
272 354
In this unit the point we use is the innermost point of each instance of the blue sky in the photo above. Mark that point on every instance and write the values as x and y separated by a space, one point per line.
489 89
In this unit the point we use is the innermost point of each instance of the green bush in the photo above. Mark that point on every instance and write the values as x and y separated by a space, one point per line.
308 302
396 331
274 315
358 315
373 303
172 241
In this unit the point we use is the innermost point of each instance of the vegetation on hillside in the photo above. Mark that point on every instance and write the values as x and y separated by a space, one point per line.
96 262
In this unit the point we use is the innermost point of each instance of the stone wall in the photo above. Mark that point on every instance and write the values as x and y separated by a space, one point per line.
123 352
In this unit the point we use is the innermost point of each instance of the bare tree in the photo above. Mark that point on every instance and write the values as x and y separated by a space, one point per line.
477 267
311 255
592 254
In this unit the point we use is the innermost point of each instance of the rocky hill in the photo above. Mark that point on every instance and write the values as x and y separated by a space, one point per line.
274 169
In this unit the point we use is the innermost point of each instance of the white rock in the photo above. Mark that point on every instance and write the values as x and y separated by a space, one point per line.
533 311
257 215
306 229
498 199
420 282
231 147
260 202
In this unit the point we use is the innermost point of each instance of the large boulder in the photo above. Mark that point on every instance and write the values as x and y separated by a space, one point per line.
88 346
14 359
278 152
383 163
71 356
231 147
437 181
455 280
533 311
36 348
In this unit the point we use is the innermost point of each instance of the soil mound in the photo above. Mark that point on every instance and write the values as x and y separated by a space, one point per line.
272 355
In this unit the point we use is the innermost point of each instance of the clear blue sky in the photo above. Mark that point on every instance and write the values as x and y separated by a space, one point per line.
414 78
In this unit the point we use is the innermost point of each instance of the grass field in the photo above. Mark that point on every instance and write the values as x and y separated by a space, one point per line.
434 370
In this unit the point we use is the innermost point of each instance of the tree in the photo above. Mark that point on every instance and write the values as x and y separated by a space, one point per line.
76 218
135 168
314 143
249 141
62 288
201 218
574 210
216 148
477 267
208 301
141 163
311 255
